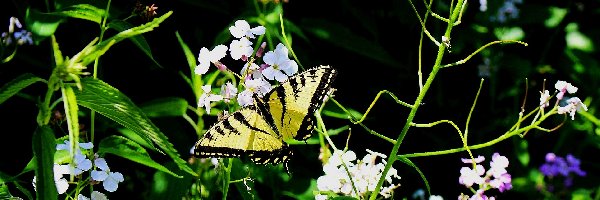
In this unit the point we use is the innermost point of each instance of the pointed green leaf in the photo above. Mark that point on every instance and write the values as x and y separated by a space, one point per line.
410 163
195 80
71 111
138 40
110 102
165 107
88 55
43 151
125 148
13 87
82 11
189 56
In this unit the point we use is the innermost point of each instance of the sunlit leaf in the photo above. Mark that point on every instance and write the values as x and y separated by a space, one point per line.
82 11
110 102
169 187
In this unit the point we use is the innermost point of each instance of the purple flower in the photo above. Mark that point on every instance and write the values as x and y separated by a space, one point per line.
556 165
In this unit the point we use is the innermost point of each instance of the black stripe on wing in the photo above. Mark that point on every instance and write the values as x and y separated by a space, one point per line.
307 126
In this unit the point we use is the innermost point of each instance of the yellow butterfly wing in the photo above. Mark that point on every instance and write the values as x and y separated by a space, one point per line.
292 104
243 133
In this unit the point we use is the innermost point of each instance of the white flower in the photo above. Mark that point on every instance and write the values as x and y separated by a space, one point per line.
544 99
242 29
228 91
61 183
435 197
562 87
251 71
469 176
207 97
206 57
365 174
239 48
95 196
280 64
573 105
253 86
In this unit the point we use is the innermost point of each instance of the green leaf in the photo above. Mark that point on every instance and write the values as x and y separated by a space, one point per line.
136 138
195 80
169 187
40 24
71 111
189 56
343 37
522 152
43 151
128 149
138 40
82 11
14 86
110 102
165 107
578 40
89 54
410 163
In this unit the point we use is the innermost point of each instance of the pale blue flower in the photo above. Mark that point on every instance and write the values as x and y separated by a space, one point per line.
110 180
281 65
95 196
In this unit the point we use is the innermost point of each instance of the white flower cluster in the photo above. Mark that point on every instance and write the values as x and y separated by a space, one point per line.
110 180
497 177
277 66
346 177
573 104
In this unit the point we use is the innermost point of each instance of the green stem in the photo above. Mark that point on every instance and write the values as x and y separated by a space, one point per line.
394 153
227 178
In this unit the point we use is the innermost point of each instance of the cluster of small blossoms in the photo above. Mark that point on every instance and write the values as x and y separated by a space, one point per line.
496 177
573 104
559 166
357 178
16 34
100 172
276 66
